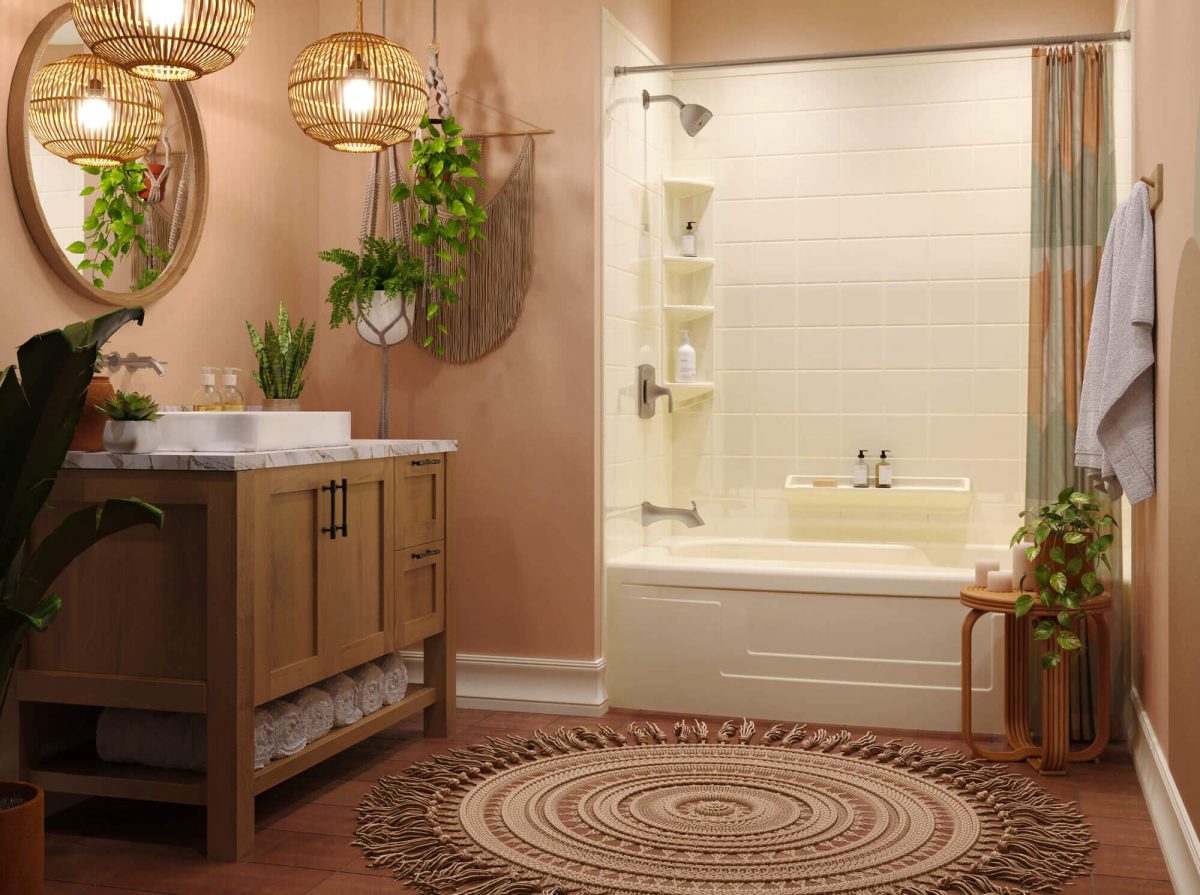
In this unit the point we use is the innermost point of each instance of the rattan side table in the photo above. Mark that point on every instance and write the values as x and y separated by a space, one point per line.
1051 755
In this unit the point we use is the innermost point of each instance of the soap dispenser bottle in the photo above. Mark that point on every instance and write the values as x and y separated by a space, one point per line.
685 358
883 471
687 246
231 396
861 471
207 397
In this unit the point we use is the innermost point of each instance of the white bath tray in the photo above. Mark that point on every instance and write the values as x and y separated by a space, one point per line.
919 493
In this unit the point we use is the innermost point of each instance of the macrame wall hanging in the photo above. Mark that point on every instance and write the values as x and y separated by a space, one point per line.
498 268
161 227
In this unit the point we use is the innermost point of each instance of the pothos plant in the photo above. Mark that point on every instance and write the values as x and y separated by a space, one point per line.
1070 542
448 217
110 229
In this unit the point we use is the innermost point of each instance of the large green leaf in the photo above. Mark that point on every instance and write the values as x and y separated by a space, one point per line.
38 414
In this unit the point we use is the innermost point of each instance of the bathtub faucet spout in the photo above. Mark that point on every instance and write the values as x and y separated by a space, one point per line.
651 514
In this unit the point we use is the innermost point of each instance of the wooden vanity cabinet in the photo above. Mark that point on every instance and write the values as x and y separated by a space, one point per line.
260 583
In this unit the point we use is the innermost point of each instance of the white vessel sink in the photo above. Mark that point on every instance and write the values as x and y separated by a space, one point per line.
250 430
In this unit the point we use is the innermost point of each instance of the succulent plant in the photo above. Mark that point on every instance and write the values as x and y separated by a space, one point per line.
130 407
282 355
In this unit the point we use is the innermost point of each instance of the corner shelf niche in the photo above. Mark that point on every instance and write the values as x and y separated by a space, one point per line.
688 293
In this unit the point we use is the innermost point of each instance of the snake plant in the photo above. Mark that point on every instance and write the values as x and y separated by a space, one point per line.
282 354
41 399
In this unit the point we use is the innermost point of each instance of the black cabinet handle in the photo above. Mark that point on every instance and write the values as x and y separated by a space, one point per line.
345 526
435 461
332 530
425 554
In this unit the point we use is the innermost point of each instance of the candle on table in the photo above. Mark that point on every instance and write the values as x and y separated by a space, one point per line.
1000 582
1022 567
982 567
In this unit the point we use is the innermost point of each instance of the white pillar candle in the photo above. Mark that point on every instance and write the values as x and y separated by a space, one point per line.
1022 567
982 567
1000 582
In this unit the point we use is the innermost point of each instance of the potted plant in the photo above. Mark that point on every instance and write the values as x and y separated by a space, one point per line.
132 426
40 404
364 292
282 354
447 217
1070 541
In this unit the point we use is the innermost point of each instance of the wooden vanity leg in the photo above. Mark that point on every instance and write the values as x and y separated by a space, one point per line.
230 691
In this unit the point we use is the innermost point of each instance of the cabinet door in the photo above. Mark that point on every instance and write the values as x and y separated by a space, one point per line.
420 592
293 560
361 583
421 501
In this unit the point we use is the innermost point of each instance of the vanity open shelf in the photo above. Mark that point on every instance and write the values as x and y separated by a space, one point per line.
911 493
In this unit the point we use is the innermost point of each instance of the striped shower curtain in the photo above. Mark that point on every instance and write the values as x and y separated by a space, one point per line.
1072 205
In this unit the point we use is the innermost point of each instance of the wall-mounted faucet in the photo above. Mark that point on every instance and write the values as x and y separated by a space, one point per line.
113 362
649 391
651 514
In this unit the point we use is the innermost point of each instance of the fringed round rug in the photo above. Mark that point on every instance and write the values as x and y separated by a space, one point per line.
593 812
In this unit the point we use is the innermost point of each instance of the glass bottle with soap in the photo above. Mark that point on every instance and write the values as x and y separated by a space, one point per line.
231 396
862 472
883 471
207 397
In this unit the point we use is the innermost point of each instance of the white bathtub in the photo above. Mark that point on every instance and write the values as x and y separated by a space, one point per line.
833 633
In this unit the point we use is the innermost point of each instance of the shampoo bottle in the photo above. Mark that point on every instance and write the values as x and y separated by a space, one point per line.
861 471
207 397
685 359
231 396
883 471
687 246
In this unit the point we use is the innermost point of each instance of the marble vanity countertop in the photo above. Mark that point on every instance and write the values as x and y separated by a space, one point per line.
359 449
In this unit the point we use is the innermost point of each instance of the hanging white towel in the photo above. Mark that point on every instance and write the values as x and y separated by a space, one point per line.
1115 432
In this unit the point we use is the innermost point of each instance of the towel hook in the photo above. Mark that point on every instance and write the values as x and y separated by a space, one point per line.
1155 183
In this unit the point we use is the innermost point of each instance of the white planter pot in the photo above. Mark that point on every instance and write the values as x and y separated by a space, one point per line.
131 437
394 319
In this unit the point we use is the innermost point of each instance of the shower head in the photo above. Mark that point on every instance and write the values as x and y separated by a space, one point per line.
693 117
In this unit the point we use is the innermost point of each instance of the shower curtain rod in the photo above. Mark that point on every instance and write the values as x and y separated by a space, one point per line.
866 54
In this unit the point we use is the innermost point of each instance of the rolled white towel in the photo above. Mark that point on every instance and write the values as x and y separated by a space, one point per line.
316 712
289 728
154 739
395 678
345 701
264 737
368 684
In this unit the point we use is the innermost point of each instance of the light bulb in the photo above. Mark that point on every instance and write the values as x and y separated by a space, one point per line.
163 13
95 113
358 93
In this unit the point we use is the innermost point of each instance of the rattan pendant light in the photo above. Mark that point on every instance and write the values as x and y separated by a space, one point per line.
357 92
91 112
167 40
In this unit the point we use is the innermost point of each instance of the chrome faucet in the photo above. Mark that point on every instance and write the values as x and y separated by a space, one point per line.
114 362
649 391
651 514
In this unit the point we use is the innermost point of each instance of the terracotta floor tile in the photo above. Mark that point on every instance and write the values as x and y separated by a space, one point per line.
1128 805
312 850
354 884
1123 885
209 878
314 817
1123 831
1126 860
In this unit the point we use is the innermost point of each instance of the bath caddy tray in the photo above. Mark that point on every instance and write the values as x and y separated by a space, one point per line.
912 493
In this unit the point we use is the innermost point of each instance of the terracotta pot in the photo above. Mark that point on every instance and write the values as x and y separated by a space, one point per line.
156 170
281 404
1070 551
22 840
89 434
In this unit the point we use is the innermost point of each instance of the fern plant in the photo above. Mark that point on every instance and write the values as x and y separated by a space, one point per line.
384 266
282 354
130 407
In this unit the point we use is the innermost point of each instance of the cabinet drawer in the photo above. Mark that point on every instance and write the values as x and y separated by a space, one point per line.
420 499
420 592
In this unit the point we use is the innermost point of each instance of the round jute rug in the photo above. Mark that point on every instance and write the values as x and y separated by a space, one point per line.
594 812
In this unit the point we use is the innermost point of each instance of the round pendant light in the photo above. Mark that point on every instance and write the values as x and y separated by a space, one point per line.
91 112
166 40
357 92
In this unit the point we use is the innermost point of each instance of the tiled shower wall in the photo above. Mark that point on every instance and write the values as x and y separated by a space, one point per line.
871 237
637 453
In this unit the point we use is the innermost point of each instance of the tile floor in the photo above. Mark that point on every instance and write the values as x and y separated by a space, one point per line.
109 847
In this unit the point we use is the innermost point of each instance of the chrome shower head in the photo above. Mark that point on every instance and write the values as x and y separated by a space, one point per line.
693 117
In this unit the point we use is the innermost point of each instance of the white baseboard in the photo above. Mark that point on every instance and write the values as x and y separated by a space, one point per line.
522 684
1176 835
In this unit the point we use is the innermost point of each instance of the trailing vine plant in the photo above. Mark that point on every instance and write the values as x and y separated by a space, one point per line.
1068 546
111 228
448 218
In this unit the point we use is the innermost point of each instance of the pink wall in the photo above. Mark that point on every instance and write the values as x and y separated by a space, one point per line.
716 29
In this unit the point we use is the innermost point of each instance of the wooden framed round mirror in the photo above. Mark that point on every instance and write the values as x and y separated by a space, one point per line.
64 204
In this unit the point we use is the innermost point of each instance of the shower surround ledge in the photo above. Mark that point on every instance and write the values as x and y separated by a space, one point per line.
172 461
